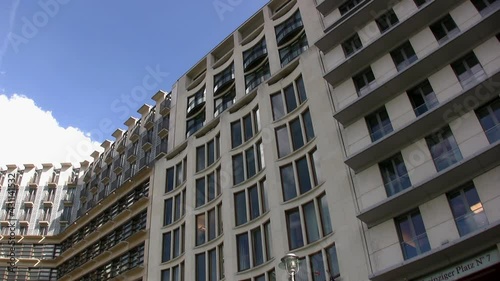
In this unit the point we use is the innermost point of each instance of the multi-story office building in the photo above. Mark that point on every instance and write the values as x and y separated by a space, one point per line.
363 136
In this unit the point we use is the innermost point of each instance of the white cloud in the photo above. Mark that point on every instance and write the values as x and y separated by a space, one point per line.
28 134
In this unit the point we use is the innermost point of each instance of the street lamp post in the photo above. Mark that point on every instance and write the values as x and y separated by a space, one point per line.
290 262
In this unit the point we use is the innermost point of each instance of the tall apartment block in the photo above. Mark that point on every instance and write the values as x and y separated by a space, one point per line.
361 135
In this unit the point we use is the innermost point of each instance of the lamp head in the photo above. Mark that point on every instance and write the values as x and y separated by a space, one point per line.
290 262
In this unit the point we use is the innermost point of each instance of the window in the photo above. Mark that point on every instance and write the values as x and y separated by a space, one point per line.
316 220
175 177
207 154
292 96
386 21
422 97
200 158
208 188
489 117
195 123
351 45
209 260
200 267
444 148
293 50
419 3
467 209
300 131
174 208
403 56
254 79
364 81
444 29
412 235
468 69
394 174
257 203
484 6
208 225
244 129
248 163
379 124
306 168
257 239
348 5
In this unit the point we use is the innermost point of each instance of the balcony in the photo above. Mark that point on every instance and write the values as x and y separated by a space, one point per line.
69 199
407 78
101 195
105 176
422 125
291 28
197 102
131 153
162 127
25 220
109 157
254 57
440 183
223 81
65 218
72 180
29 200
5 218
223 106
118 165
44 219
52 182
257 79
443 256
150 120
147 141
120 147
135 135
48 200
165 107
161 149
35 180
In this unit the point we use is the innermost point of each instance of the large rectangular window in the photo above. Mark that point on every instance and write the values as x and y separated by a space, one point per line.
200 267
294 229
444 149
403 56
351 45
364 81
394 174
379 124
289 99
467 209
444 29
305 180
243 252
348 5
485 6
386 21
489 117
422 97
412 234
257 204
468 70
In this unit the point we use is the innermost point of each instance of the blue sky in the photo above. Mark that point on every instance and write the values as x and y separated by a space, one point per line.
76 58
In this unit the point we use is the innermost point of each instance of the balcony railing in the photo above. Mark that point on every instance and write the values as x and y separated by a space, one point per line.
162 127
118 165
147 141
165 107
447 159
254 57
150 120
223 106
293 51
69 198
195 103
256 81
135 133
161 148
223 82
291 29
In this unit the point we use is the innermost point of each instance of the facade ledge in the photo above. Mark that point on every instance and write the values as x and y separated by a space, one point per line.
442 182
416 72
356 17
442 256
480 92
